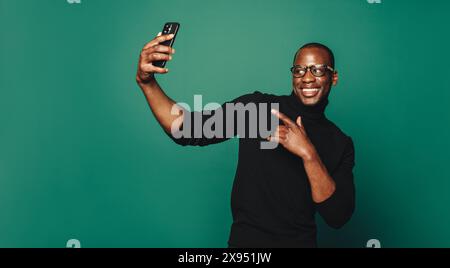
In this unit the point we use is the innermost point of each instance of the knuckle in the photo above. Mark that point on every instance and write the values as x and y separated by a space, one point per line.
141 65
144 53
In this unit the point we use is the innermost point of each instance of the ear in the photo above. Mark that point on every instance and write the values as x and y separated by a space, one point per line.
334 78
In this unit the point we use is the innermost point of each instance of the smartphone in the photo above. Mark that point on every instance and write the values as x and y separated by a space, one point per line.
169 28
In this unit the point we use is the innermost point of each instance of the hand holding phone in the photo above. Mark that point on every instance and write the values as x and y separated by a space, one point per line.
156 53
169 28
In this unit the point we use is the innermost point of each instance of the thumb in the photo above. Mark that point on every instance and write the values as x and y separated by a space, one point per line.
299 121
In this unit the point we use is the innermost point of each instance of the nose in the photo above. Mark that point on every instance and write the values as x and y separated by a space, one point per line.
308 77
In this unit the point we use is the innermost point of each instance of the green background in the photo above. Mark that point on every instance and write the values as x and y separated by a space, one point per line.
81 155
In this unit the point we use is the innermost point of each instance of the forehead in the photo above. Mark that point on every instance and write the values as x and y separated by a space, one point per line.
312 56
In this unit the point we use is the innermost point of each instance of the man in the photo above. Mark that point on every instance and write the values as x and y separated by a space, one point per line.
276 193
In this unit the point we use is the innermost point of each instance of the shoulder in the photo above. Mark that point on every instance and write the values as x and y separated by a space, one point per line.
257 97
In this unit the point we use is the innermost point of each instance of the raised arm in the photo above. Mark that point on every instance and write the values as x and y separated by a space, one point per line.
173 117
160 104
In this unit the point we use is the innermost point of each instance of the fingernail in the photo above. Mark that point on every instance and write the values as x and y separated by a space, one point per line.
273 111
171 35
167 70
173 50
170 57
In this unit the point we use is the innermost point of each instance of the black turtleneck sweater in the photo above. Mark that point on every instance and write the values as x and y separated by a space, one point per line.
271 198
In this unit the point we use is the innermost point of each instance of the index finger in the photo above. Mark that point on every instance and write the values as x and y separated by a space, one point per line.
158 40
283 117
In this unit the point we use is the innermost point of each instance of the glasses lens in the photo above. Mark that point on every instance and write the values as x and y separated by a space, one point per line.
298 71
318 70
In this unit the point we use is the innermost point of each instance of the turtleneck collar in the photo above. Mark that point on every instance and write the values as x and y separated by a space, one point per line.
313 112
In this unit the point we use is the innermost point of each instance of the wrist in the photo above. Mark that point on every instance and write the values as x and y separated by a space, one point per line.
308 155
146 84
145 79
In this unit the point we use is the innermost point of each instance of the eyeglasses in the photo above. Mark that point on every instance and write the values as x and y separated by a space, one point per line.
317 70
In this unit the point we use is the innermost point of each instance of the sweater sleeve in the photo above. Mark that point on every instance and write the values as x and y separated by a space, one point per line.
197 125
339 207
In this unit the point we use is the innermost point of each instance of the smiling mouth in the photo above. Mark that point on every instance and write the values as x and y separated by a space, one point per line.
310 92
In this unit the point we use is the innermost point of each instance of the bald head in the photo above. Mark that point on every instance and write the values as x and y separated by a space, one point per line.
329 54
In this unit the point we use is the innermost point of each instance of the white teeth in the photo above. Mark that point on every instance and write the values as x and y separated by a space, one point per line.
310 89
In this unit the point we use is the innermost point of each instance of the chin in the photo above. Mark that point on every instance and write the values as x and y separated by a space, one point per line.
310 102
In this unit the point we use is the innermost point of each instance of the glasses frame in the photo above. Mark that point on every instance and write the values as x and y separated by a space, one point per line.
308 68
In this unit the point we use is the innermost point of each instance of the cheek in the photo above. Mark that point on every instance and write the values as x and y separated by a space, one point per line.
325 82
